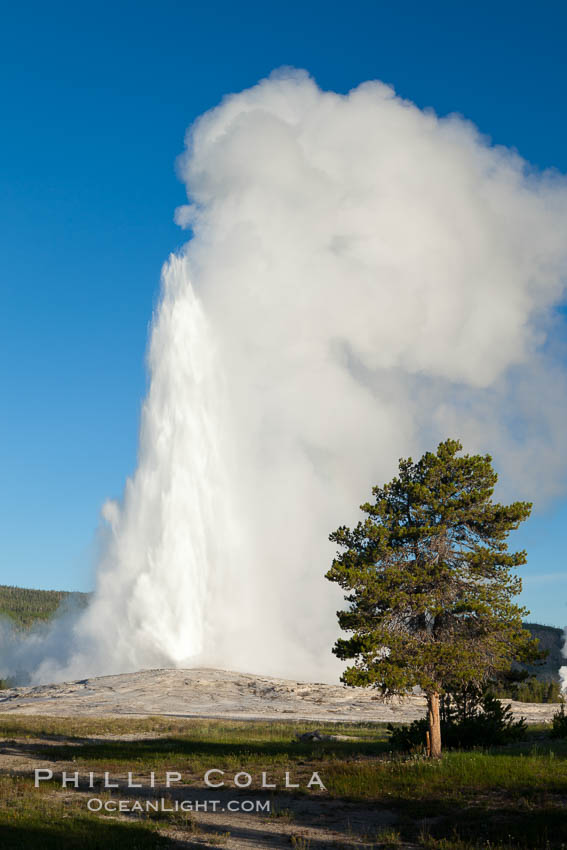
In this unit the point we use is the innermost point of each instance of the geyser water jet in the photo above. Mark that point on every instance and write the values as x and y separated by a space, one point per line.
362 280
164 559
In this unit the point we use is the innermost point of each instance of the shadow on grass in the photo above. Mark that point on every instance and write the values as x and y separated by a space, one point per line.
542 746
79 833
150 749
506 826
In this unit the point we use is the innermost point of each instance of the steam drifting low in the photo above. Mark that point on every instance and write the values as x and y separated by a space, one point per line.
363 278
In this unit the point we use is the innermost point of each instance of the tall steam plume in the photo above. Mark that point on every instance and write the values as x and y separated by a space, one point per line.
363 279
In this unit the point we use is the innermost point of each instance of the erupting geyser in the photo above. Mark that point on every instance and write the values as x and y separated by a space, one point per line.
363 279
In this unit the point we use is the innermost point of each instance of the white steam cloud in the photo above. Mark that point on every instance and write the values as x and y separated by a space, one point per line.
363 279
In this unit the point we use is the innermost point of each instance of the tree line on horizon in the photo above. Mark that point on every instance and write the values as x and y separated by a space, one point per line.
25 606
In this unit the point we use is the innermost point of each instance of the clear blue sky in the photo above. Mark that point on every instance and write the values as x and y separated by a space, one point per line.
95 99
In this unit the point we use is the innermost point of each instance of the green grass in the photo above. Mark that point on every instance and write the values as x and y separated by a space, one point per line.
482 799
193 746
84 727
37 818
458 776
511 797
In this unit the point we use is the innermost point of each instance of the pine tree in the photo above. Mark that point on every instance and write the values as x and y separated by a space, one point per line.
430 583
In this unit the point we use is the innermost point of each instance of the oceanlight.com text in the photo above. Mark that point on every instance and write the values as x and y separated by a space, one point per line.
95 804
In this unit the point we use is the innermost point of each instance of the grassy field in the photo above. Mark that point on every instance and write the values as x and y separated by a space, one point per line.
510 797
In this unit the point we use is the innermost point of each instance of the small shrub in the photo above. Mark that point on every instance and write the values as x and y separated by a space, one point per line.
389 839
282 814
487 723
559 723
410 738
300 842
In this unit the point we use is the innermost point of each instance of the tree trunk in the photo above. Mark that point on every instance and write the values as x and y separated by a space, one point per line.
434 726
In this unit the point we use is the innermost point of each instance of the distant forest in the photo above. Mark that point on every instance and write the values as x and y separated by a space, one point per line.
24 606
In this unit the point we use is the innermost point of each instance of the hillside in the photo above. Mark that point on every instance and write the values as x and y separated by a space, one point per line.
550 639
25 606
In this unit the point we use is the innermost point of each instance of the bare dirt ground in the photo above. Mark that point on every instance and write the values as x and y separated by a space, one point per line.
222 694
